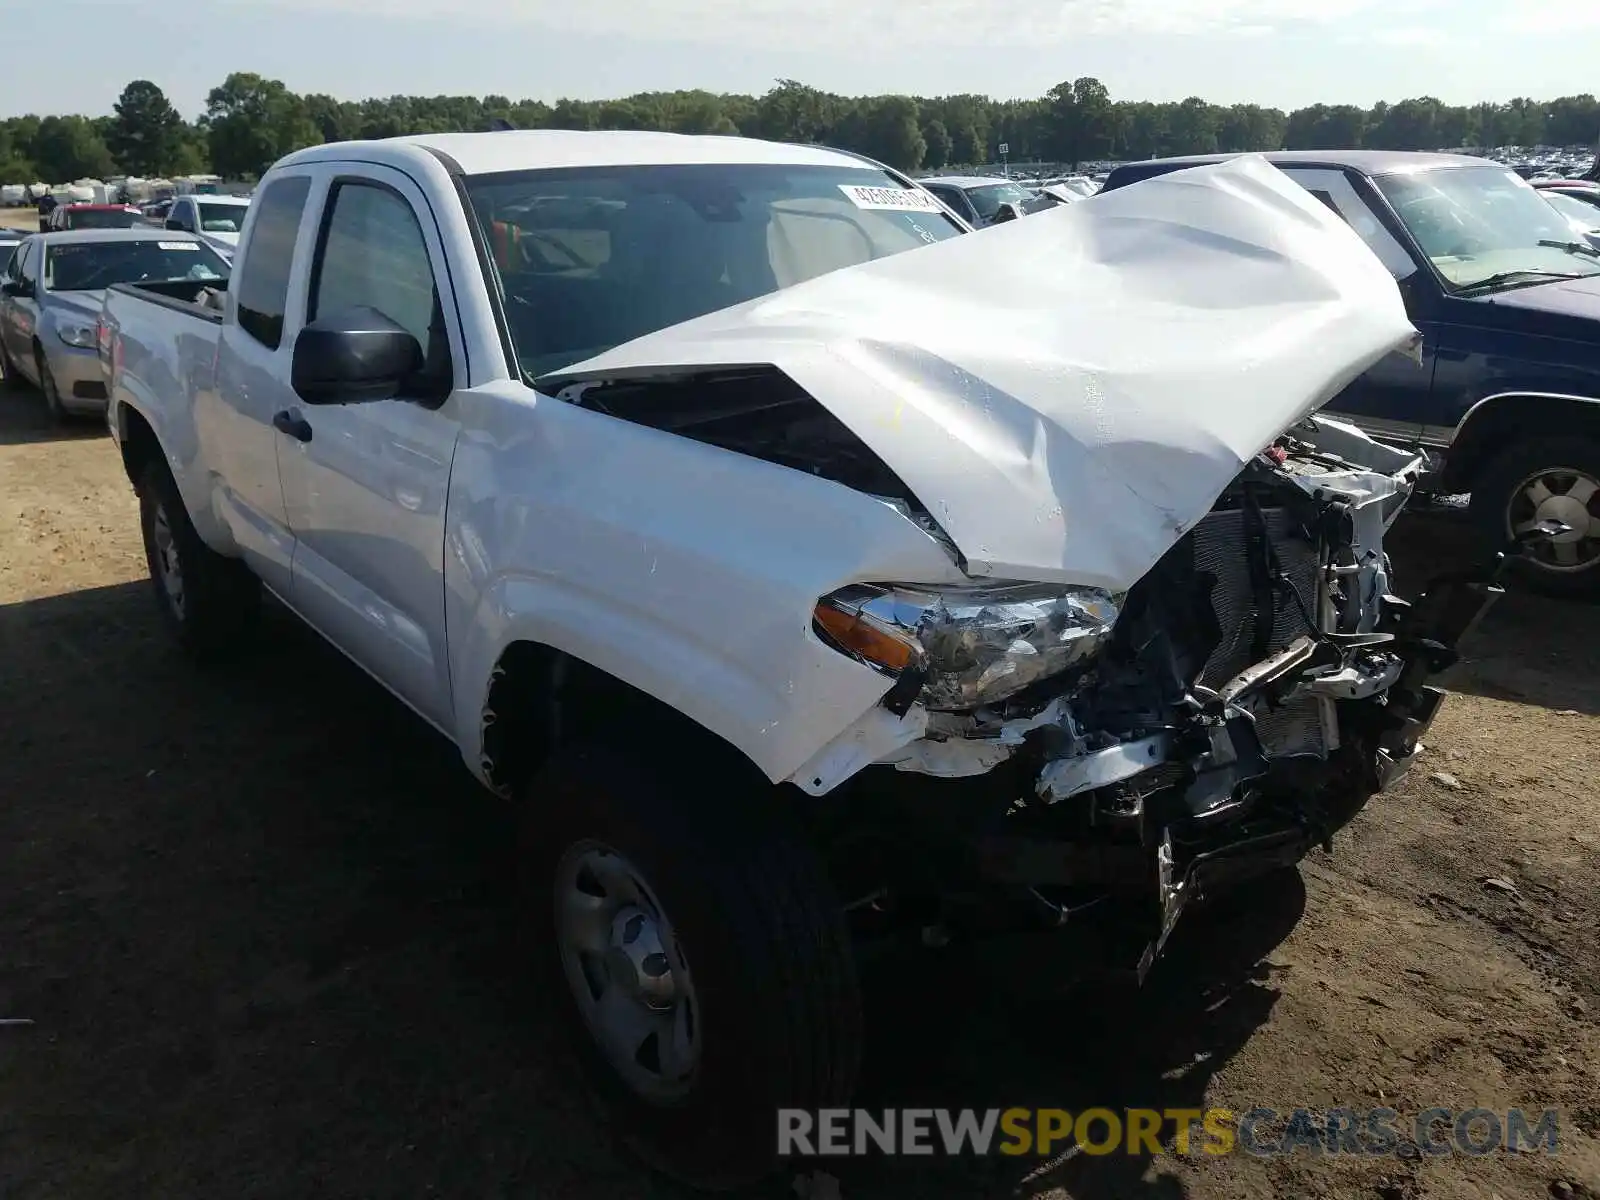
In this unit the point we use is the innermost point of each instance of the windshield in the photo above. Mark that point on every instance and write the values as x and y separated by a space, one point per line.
987 200
590 258
102 218
221 218
89 266
1475 223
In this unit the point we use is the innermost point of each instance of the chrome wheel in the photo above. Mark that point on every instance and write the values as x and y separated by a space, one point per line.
169 570
1565 495
626 971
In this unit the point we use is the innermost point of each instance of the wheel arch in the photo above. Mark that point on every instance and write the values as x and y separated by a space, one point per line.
539 697
1494 422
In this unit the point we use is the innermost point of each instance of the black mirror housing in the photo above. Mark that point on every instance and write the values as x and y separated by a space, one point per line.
13 287
353 357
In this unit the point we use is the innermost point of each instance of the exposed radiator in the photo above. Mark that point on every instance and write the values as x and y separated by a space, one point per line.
1220 549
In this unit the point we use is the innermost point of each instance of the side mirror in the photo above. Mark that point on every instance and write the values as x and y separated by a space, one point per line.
15 287
353 357
171 224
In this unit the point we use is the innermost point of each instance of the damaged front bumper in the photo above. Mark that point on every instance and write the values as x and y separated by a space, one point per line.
1262 684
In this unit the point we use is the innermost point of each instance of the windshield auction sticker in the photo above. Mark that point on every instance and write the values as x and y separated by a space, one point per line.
890 199
179 245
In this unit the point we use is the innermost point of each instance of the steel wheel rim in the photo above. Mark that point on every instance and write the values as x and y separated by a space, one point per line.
169 570
627 972
1564 494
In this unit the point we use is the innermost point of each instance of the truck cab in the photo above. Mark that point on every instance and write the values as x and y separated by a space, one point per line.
1506 395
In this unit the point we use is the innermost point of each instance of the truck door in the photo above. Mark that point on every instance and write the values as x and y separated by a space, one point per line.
10 308
233 420
1391 399
365 484
22 312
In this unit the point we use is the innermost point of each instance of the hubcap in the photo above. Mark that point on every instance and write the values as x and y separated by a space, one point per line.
168 569
626 971
1565 495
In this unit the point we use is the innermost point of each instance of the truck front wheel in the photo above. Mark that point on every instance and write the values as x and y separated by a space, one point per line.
208 601
698 954
1541 479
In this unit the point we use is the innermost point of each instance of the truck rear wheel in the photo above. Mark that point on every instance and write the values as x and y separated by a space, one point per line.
208 601
1539 479
699 955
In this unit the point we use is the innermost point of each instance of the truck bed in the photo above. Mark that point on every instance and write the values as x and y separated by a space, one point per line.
194 297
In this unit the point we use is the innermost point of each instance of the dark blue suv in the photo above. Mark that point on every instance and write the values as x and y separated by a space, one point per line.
1507 399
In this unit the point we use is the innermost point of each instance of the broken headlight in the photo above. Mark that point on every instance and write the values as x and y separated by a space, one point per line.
972 646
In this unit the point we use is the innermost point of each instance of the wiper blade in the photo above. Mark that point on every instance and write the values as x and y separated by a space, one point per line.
1571 247
1528 276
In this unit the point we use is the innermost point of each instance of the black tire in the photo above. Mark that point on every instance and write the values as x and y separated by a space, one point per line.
1501 499
10 378
51 393
761 940
217 600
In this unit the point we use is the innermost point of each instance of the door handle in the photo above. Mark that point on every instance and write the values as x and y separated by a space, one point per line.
289 421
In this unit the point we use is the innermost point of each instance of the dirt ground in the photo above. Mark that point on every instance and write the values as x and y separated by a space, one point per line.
258 921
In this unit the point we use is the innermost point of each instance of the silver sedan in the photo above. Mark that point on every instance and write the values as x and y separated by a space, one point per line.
50 296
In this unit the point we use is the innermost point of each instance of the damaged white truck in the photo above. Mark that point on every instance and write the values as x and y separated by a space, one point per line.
804 564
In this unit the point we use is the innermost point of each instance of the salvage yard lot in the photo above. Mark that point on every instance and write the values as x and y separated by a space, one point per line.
260 921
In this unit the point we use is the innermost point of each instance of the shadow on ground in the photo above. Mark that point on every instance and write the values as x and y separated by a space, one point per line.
262 922
24 420
1530 648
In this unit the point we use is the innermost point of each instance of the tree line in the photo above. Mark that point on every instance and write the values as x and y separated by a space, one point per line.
250 121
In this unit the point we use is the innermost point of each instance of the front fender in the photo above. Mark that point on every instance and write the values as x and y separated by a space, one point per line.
686 571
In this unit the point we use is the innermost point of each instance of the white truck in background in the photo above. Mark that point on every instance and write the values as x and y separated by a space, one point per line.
805 565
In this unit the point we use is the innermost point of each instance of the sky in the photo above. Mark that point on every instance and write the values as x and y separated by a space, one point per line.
1286 53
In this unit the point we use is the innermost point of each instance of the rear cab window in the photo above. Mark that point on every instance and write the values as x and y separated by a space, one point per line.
261 282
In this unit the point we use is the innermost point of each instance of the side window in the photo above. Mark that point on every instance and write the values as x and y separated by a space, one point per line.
1335 190
261 276
26 264
372 254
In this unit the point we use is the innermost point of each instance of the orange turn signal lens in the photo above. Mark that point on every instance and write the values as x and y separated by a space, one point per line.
866 638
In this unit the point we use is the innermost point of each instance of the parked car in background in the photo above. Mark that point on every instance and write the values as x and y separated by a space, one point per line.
215 219
1581 215
50 297
1582 190
976 199
603 452
93 216
10 239
1506 398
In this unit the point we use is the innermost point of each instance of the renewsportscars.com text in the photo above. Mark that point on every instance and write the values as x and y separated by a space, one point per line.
1214 1131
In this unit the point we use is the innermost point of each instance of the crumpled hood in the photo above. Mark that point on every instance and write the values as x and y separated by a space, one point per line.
1068 394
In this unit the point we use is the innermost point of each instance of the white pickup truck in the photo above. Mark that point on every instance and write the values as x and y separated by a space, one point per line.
805 565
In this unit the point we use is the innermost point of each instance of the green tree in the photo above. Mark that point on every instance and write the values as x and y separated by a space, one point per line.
147 131
1081 121
891 133
68 148
938 141
336 120
1193 127
253 123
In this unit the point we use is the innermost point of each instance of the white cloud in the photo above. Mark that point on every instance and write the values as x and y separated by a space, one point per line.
1543 17
886 26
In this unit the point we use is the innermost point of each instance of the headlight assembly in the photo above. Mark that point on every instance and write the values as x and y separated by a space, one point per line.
971 646
81 336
